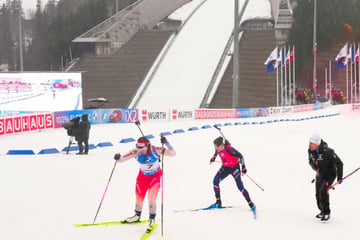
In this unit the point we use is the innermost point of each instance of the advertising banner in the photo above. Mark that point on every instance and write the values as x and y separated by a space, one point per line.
215 113
97 116
153 115
181 114
355 107
276 111
251 112
120 115
303 108
25 123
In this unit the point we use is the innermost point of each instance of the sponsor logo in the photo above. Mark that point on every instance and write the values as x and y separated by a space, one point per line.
215 114
156 115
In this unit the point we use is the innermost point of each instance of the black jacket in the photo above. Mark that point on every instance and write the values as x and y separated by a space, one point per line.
325 161
84 128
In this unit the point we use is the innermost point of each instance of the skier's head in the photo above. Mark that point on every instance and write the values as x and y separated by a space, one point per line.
219 144
142 144
314 142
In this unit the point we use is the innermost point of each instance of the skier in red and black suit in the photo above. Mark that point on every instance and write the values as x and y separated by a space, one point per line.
230 158
328 166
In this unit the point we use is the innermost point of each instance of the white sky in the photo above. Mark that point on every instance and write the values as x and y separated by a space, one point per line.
28 5
42 196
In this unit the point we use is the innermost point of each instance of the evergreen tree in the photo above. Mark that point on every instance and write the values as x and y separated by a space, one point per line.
37 56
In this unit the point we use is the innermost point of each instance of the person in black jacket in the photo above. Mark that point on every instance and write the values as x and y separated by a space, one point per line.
328 166
83 136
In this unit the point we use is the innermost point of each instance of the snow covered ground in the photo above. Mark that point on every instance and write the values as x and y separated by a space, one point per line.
42 196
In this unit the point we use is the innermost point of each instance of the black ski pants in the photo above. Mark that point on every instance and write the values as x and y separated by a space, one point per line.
321 192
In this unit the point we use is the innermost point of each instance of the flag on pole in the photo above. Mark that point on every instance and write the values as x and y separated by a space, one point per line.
357 53
272 61
289 56
282 57
351 56
341 59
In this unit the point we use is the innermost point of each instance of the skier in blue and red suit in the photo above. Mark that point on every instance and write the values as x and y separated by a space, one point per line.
231 159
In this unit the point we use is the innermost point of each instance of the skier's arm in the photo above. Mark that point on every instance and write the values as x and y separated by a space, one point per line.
169 150
212 159
338 163
312 162
234 152
122 158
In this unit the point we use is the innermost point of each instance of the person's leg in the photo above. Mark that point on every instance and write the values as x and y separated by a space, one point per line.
324 196
86 142
154 187
141 187
318 183
80 145
221 174
237 177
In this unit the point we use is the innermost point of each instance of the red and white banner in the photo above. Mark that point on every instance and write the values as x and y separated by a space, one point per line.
303 108
355 107
215 113
275 111
25 123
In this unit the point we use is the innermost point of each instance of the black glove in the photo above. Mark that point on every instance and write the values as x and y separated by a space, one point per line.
212 159
163 140
243 169
117 156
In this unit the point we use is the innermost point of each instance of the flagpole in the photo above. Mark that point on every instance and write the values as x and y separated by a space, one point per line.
277 81
354 62
330 86
314 49
326 80
289 88
285 77
235 97
347 83
281 79
351 77
294 85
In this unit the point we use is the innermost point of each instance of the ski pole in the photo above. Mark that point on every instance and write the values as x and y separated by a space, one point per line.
162 190
254 182
107 185
215 126
138 125
333 186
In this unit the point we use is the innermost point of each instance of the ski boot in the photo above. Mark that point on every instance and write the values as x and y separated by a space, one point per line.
217 204
151 223
133 219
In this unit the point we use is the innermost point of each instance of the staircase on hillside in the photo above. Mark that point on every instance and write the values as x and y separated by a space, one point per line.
117 77
256 87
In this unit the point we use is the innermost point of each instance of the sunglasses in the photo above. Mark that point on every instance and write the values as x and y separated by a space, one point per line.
141 145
